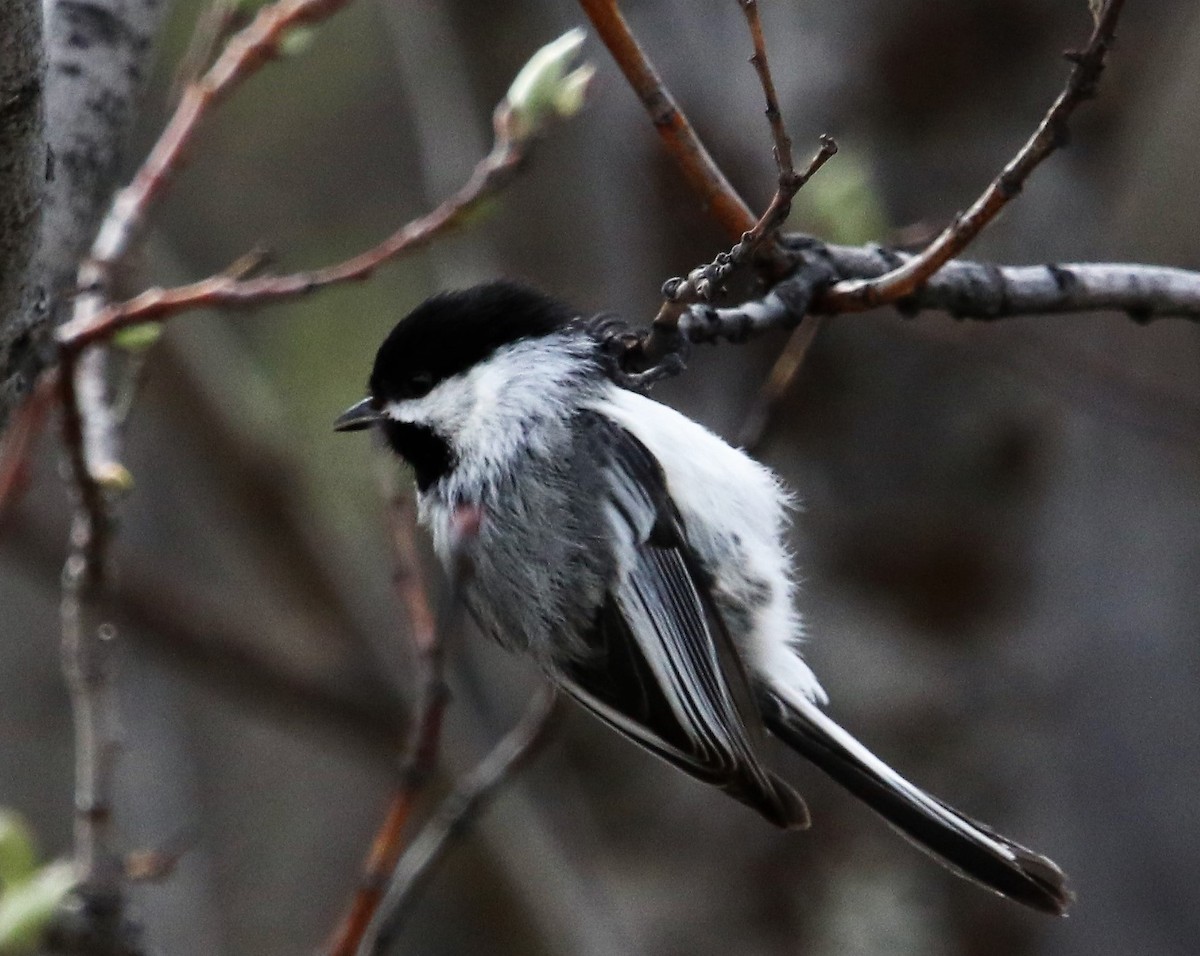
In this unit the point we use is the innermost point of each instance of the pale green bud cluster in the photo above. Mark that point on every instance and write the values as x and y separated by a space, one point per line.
547 87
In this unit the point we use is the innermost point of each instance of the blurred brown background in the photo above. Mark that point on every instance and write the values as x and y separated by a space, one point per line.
1000 545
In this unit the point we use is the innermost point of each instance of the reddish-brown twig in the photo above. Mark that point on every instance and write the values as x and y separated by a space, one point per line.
654 352
420 759
858 295
783 142
17 445
246 52
694 161
467 799
229 291
790 182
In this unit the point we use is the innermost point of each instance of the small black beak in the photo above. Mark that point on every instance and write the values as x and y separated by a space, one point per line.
357 417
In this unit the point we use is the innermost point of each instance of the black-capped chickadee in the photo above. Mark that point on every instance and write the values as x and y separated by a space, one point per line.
637 558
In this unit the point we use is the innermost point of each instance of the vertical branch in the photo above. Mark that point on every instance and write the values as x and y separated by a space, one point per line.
783 142
420 757
99 925
658 354
462 805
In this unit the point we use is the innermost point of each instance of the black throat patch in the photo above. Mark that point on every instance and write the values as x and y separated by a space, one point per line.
426 451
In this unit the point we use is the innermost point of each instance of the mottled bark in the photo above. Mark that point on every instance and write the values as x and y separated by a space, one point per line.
22 170
98 54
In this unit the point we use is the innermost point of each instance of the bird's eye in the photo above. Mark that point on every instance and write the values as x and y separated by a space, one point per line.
420 385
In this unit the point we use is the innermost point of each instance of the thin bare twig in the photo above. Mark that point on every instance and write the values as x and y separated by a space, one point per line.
85 658
420 756
780 379
783 142
213 27
17 445
247 51
454 814
1052 133
694 161
229 291
790 182
787 365
89 428
657 354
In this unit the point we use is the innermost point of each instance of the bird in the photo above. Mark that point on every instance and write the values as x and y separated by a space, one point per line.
637 558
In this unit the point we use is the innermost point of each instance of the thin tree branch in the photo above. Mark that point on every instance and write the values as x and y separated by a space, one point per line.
779 380
420 758
244 54
17 444
783 142
86 643
657 355
491 174
790 182
1052 133
694 161
967 290
455 813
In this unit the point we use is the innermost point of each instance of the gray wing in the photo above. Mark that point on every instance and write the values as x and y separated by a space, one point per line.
662 668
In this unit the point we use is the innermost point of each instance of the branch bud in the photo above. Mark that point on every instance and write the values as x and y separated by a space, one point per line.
546 87
573 91
113 477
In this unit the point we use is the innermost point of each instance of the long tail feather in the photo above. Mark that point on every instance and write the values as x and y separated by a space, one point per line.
969 848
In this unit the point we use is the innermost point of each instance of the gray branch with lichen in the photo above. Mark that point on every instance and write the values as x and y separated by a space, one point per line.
967 290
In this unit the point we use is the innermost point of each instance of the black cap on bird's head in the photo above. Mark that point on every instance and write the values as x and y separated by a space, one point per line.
448 334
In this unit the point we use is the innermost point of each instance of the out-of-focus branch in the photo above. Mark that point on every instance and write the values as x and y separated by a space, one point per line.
17 444
228 291
97 909
454 814
778 381
90 437
694 161
420 757
22 172
1052 133
246 52
243 55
